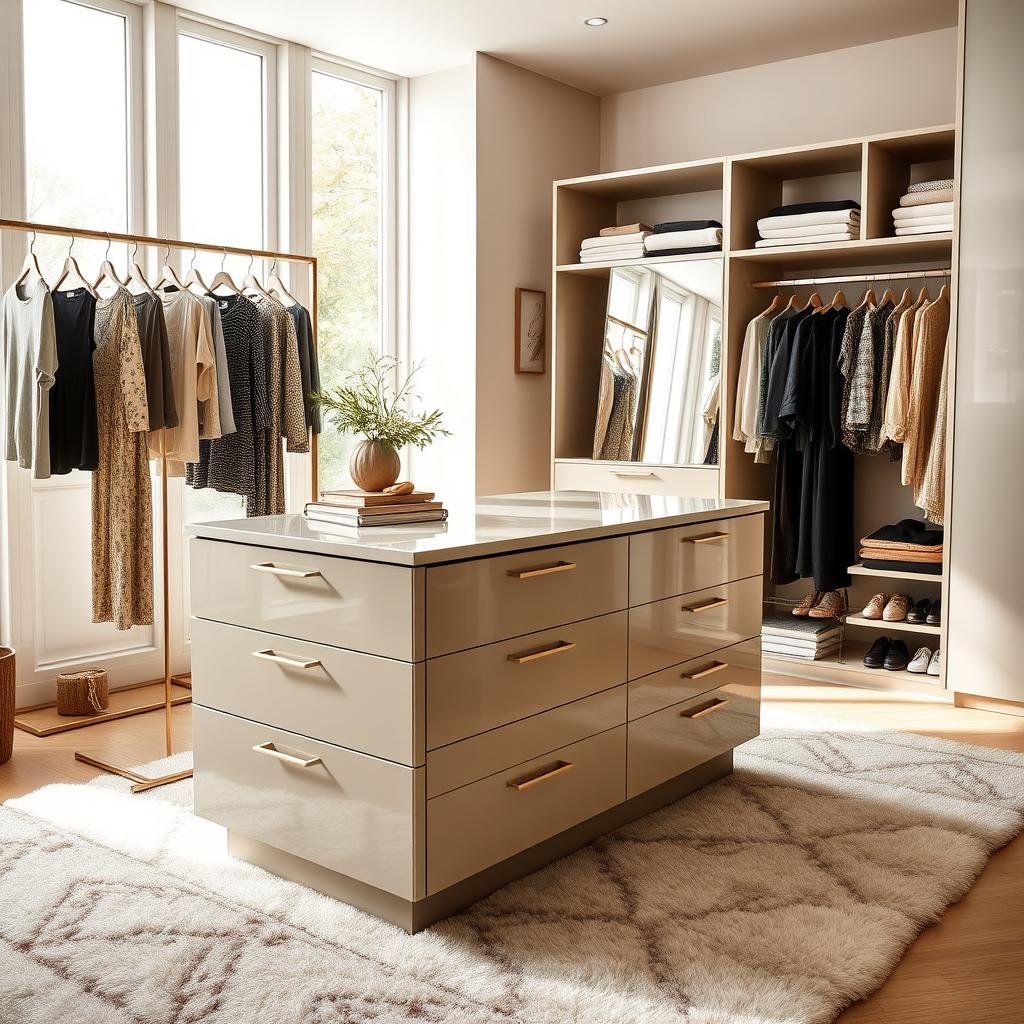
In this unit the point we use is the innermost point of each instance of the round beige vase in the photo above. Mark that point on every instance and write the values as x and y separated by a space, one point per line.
6 703
374 465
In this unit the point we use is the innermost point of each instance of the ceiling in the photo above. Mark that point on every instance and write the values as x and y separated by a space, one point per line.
646 42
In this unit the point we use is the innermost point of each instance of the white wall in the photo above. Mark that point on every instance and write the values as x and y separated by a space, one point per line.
862 90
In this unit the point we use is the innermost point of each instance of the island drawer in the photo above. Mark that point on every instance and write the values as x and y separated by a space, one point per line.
481 824
486 687
482 600
363 606
681 737
370 704
346 811
663 563
679 629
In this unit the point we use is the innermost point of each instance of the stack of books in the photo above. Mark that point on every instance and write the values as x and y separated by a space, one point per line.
807 639
356 509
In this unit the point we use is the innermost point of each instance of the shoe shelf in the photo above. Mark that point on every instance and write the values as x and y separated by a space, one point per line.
910 627
921 577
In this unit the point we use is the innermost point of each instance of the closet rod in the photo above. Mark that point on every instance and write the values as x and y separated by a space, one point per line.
900 275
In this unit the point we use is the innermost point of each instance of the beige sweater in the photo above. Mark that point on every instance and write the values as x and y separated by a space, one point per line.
930 495
930 330
897 399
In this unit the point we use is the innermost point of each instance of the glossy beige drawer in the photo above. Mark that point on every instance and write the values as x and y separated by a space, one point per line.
346 811
740 664
370 704
474 827
480 689
663 563
682 628
681 737
364 606
636 478
479 756
486 599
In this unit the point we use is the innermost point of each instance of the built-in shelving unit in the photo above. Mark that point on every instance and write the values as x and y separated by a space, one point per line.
904 626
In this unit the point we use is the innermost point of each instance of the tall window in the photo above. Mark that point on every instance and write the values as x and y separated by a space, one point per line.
352 118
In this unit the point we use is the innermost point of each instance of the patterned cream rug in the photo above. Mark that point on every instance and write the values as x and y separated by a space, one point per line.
776 896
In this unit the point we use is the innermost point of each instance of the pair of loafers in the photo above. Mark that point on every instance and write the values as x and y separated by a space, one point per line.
888 654
902 608
926 661
926 612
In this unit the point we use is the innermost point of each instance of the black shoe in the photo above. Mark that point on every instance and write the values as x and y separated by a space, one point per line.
920 612
934 617
877 653
898 657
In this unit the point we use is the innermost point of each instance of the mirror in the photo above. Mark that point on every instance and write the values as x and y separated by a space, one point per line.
659 384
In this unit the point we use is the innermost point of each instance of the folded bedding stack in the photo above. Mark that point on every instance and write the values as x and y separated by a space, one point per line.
681 237
625 242
810 223
926 209
908 546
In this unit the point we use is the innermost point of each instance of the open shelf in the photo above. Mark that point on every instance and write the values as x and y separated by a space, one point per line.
601 268
907 627
859 252
920 577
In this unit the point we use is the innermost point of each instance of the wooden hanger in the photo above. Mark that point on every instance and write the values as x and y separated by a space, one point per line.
794 301
869 297
838 300
168 277
907 296
276 286
222 279
888 295
944 293
135 274
776 304
71 267
195 279
107 270
31 264
922 295
251 284
814 301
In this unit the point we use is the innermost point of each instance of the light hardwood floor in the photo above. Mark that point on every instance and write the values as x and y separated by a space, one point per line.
967 969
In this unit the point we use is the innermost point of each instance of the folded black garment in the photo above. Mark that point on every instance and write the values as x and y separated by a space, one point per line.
908 531
685 225
794 208
684 252
928 568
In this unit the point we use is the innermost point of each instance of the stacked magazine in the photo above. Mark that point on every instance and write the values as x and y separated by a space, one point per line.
357 509
793 637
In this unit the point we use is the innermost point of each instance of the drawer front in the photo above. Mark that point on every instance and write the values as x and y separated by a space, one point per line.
487 599
481 824
740 663
683 628
347 811
634 478
681 737
364 606
663 563
483 688
458 764
373 705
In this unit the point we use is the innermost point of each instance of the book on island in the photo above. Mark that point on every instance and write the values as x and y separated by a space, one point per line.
371 499
792 627
358 518
404 507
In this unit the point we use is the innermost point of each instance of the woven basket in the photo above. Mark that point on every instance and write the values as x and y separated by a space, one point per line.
6 703
82 693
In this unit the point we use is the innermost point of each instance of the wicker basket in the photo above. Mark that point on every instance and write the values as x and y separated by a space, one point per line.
82 693
6 703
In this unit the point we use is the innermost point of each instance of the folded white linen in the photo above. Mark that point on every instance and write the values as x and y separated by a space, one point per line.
940 195
683 239
795 220
611 241
806 239
926 210
633 252
926 229
903 222
811 229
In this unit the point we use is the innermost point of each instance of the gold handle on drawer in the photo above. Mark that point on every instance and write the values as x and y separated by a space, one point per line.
560 769
716 602
299 762
279 570
634 476
270 655
704 709
558 648
544 570
703 538
715 666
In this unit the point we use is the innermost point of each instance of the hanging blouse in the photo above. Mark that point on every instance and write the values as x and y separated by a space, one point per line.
930 331
73 438
873 440
156 359
309 365
930 494
749 383
894 422
225 418
867 359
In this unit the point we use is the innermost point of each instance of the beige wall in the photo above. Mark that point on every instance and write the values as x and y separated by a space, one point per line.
862 90
530 130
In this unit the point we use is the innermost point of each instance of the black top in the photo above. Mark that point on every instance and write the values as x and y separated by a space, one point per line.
822 207
156 361
309 368
908 531
685 225
74 439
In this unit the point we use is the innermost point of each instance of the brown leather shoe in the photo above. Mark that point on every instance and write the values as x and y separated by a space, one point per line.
874 608
809 601
831 606
897 608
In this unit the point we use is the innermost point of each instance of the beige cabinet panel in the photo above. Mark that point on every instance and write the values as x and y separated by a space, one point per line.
663 563
481 824
486 599
486 687
370 704
364 606
682 628
636 478
346 811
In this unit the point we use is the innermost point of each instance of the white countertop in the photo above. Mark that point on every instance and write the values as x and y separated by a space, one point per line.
503 522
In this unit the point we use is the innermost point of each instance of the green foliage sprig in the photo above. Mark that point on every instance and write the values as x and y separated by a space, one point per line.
368 403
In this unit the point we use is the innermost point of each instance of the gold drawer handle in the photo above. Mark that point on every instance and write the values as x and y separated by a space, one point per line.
716 602
280 659
278 570
715 666
703 709
634 476
544 570
560 769
299 762
703 538
558 648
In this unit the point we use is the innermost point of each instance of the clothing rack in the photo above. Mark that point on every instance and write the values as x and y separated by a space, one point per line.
140 783
901 275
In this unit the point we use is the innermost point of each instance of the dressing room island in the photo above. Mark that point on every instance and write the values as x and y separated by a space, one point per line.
407 718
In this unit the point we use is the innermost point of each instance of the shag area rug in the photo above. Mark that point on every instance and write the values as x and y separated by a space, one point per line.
776 896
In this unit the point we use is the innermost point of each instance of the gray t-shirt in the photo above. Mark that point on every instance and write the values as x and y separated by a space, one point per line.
30 365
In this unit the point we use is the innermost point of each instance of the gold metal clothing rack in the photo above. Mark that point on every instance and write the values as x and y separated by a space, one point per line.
900 275
140 783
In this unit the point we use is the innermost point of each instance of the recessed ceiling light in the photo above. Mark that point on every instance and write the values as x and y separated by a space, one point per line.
595 22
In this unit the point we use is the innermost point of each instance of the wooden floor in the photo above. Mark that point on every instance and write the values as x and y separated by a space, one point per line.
967 969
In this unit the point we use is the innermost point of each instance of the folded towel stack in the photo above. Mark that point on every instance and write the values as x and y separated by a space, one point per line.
680 237
806 223
908 546
927 208
622 242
